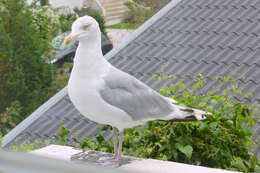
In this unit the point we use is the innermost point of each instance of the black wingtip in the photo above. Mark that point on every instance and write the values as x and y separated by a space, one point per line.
187 110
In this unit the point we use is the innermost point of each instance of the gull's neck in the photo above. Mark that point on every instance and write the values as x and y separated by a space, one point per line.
89 60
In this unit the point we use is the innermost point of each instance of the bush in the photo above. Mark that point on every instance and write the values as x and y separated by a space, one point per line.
10 117
44 2
25 76
46 22
136 14
140 11
223 140
66 21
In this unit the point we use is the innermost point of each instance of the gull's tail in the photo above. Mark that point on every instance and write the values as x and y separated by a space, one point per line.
181 113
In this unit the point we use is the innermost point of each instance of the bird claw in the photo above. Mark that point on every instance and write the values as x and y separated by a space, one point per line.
112 162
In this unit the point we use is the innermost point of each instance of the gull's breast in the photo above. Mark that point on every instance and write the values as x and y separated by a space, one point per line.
85 96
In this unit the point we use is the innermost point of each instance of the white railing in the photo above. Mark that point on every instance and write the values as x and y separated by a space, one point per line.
16 162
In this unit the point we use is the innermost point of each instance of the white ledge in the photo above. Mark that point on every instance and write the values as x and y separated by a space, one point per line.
134 164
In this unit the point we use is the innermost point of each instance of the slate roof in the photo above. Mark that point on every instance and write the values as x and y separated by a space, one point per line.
209 37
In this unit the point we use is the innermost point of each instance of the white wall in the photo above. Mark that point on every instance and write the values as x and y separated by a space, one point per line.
70 3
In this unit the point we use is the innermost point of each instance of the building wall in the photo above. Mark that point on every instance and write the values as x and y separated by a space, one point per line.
70 3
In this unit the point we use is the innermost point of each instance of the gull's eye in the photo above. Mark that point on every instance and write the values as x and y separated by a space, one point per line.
85 27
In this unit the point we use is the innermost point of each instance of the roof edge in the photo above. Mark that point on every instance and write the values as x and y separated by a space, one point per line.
34 116
142 28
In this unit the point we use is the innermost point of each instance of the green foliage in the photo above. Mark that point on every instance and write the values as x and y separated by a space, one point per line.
63 135
13 148
65 138
136 14
10 117
140 11
66 21
1 138
101 144
44 2
123 26
24 75
46 22
28 146
223 140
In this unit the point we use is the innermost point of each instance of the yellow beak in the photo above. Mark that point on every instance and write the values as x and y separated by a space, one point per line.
68 39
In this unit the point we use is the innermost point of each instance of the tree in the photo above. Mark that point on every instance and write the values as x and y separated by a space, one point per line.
24 74
44 2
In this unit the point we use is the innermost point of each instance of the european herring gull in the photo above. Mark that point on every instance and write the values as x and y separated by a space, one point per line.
107 95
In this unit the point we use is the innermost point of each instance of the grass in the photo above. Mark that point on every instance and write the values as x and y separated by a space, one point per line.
123 26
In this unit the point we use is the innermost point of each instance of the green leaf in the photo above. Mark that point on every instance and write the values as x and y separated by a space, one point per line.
172 89
99 138
203 127
85 143
159 78
214 101
229 123
187 150
105 128
13 148
185 94
154 76
181 85
210 92
63 131
237 162
213 125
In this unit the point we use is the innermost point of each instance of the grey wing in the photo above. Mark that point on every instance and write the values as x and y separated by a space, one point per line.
134 97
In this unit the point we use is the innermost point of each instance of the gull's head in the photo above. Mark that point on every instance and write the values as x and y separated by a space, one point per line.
83 29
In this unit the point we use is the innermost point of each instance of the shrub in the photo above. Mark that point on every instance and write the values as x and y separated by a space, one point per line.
24 74
66 21
140 11
46 21
136 14
223 140
44 2
10 117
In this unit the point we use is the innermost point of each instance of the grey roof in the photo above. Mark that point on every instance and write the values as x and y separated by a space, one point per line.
209 37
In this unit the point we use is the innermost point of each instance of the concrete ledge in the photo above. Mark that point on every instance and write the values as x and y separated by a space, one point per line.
129 163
